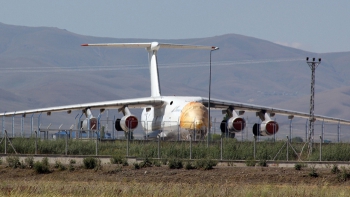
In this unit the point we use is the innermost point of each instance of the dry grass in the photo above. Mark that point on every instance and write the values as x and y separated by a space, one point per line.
122 188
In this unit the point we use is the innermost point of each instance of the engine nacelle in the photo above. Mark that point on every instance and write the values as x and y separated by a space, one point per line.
235 124
266 128
93 124
126 123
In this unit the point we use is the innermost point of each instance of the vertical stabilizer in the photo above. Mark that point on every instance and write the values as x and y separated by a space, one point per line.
152 49
153 68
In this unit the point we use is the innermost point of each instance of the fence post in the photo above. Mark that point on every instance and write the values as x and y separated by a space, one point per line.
66 143
5 142
214 129
39 124
178 131
287 148
321 148
77 123
80 126
158 146
338 131
31 125
3 124
254 146
221 146
274 132
97 143
22 123
190 147
113 126
88 125
322 129
247 130
290 129
242 132
13 125
127 143
36 143
306 125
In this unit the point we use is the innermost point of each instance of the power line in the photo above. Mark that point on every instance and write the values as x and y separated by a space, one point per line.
137 66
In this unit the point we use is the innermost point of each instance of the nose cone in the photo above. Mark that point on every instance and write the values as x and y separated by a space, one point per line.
194 115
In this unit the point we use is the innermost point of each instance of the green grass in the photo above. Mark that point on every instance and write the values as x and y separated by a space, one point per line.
232 149
54 188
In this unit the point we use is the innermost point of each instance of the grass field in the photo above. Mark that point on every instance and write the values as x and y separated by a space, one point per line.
231 149
117 180
61 188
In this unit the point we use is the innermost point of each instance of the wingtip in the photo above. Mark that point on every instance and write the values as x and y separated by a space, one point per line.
85 45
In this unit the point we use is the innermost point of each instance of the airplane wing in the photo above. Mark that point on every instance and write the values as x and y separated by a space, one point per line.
116 104
222 104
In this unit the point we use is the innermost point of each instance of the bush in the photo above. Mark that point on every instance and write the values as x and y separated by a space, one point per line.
42 167
71 167
343 175
98 165
136 166
90 162
164 161
298 166
313 172
29 161
13 161
146 163
45 161
189 166
262 163
157 163
205 164
72 161
117 159
335 169
59 166
250 162
125 163
175 164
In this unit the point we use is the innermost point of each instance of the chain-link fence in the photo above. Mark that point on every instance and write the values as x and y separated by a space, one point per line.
287 144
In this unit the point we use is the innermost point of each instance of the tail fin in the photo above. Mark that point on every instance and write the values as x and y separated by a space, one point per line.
152 49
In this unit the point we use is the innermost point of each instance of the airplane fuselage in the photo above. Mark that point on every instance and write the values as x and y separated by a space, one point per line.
176 118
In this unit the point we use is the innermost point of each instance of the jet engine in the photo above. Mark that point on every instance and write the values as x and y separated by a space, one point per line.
235 124
266 128
126 123
93 124
232 125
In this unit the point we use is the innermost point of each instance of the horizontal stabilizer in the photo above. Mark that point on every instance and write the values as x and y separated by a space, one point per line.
152 45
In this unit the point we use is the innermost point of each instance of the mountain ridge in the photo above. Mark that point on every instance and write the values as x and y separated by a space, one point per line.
267 83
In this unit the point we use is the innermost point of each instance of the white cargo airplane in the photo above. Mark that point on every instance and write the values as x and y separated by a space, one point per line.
169 116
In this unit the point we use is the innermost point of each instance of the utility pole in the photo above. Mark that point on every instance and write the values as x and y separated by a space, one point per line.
209 118
313 65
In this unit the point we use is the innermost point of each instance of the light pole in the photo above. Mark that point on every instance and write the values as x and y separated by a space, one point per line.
208 134
313 65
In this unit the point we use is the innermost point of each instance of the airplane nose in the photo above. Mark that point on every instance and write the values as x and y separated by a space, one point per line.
194 115
199 123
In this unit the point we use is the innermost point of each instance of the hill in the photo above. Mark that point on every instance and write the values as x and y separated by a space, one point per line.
45 66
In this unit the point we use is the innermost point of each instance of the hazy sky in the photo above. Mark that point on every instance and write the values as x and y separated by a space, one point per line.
312 25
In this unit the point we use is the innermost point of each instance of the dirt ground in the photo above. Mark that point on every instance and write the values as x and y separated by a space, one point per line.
218 175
